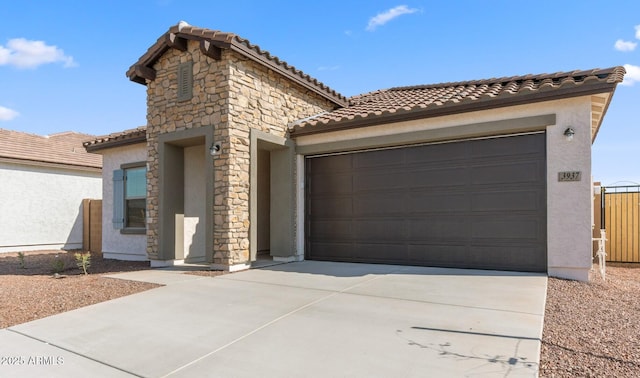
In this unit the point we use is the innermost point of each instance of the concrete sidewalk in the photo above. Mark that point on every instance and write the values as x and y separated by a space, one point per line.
313 319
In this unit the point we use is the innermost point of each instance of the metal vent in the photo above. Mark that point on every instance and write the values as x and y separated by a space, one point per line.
185 81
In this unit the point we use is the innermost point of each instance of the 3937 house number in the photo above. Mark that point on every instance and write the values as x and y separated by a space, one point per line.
570 176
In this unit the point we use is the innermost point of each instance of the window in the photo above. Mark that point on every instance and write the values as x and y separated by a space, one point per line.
135 196
130 198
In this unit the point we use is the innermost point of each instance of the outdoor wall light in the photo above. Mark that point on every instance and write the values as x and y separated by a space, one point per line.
569 133
215 148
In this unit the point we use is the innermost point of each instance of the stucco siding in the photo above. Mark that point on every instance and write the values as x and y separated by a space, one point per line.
41 207
116 245
569 203
195 187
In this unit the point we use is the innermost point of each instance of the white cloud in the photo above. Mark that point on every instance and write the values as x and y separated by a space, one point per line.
637 31
621 45
23 53
632 76
7 114
386 16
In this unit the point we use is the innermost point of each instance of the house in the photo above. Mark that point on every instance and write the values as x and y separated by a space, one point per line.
43 180
123 153
247 157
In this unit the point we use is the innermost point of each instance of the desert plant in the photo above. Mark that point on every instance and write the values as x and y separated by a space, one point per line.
83 261
57 264
21 259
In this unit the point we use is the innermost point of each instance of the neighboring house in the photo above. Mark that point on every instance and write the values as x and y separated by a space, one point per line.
246 155
124 157
43 180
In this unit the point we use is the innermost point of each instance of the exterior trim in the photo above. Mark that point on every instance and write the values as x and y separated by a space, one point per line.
115 143
508 126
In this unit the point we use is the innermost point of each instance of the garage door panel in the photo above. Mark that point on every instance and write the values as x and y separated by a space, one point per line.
436 154
505 228
374 181
533 145
332 251
508 257
389 253
377 160
336 230
470 204
368 205
334 207
450 255
507 174
429 202
332 184
507 200
335 165
438 177
380 229
437 229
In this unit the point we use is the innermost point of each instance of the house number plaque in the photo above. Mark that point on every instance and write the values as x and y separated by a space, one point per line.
569 176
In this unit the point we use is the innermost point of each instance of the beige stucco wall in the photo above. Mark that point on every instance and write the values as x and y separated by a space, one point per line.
568 203
194 199
116 245
41 207
232 95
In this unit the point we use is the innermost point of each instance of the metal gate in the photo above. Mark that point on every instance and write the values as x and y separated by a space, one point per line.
620 216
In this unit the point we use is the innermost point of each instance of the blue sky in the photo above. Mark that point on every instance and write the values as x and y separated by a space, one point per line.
63 63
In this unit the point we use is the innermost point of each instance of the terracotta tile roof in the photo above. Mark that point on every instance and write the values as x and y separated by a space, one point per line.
61 148
422 101
232 42
121 138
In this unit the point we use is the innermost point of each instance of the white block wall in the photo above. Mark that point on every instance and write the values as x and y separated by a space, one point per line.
41 207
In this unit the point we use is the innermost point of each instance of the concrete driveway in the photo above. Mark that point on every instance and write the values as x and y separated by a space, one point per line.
311 319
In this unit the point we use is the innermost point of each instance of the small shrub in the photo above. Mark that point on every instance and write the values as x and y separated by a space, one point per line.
57 264
21 258
83 261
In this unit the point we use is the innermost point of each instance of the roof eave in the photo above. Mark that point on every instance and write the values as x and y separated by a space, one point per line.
98 146
453 108
43 163
604 113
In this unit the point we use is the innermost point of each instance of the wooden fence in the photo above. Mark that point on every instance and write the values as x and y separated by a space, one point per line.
92 225
620 215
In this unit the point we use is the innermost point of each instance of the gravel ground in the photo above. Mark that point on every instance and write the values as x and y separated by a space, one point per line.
591 329
31 292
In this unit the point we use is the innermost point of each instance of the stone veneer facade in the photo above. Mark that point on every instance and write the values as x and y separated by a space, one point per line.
234 95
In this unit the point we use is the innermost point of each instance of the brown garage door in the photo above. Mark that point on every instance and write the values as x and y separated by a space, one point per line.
471 204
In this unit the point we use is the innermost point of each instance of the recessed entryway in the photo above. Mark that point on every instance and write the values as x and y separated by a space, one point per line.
186 187
271 199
